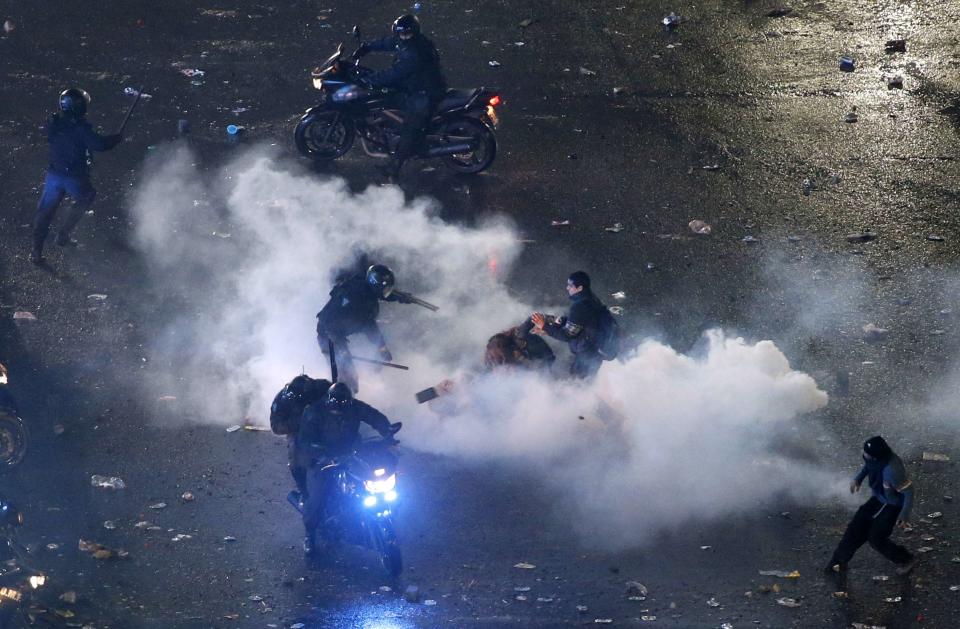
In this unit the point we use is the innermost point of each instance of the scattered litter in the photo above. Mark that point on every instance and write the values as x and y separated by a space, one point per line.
385 588
99 551
157 506
619 295
847 64
58 429
617 91
935 515
180 537
109 525
9 27
924 549
861 237
617 310
587 71
670 22
52 546
616 228
880 578
808 185
955 588
493 64
97 297
841 595
142 524
713 603
893 599
429 602
297 625
524 566
229 538
933 237
788 602
750 240
794 238
861 625
711 167
167 398
783 574
218 12
256 598
544 599
895 83
583 608
895 45
726 625
187 496
637 599
234 428
706 547
412 594
646 618
520 597
700 227
223 235
559 223
107 482
527 22
255 428
873 333
69 597
851 117
603 621
192 72
635 588
779 12
935 456
129 91
23 315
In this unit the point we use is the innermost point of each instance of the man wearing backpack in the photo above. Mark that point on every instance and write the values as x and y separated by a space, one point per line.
589 328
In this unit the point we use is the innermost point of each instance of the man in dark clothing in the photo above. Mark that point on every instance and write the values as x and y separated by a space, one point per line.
416 74
71 140
330 428
285 414
353 308
888 507
580 328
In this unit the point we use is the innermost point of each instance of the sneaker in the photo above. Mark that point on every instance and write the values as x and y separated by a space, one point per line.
906 568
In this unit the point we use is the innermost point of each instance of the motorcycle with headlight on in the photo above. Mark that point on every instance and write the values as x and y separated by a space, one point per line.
461 132
362 500
18 581
13 432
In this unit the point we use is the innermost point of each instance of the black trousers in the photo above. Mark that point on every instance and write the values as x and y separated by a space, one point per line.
319 490
298 467
55 187
585 365
417 109
346 371
873 523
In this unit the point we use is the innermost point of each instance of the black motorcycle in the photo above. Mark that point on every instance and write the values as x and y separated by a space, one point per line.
13 432
18 581
362 500
461 132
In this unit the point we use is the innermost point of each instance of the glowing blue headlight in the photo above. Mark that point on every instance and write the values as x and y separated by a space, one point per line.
370 501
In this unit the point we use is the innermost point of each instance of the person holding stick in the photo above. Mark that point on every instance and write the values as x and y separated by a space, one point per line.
71 139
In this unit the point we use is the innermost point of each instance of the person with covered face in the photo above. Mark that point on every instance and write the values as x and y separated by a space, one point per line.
887 508
285 414
353 308
331 428
518 347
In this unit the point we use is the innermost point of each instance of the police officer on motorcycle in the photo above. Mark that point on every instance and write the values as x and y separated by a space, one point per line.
353 308
71 139
331 428
285 414
416 74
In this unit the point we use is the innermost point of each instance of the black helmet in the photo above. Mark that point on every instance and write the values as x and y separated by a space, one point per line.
406 24
338 397
381 278
74 101
9 514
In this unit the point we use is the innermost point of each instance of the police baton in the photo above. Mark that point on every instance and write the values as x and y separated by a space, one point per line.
381 363
416 300
126 118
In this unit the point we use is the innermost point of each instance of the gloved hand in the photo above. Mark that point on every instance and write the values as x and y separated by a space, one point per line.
385 354
403 298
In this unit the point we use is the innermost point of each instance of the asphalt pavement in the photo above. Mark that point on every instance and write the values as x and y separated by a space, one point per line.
607 118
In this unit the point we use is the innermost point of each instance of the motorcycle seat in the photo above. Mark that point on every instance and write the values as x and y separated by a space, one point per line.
456 98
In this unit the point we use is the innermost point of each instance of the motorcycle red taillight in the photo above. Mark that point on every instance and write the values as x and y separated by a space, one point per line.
494 100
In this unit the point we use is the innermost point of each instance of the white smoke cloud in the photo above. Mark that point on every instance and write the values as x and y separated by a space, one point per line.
657 438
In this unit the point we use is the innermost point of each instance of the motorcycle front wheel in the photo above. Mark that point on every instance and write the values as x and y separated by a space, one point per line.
390 557
481 138
324 135
13 440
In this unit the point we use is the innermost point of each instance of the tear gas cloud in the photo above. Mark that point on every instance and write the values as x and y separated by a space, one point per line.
658 438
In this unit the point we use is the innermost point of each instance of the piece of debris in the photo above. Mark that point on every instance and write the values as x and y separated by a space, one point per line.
187 496
779 12
895 45
711 167
933 237
429 602
872 333
167 398
559 223
861 237
635 588
520 597
749 240
935 456
192 72
526 23
616 228
895 83
582 608
706 547
97 297
860 625
52 546
893 599
524 566
924 549
713 603
255 428
385 588
107 482
99 551
935 515
234 428
9 27
880 578
58 429
603 621
617 310
783 574
69 597
493 64
700 227
180 537
142 524
229 538
841 595
788 602
847 64
646 618
23 315
617 91
218 12
544 599
587 71
158 506
412 594
109 525
129 91
619 295
670 22
851 117
808 185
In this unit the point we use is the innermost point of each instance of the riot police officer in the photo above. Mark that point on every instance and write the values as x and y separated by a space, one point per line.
71 139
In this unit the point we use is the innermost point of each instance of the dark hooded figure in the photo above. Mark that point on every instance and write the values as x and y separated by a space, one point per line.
888 507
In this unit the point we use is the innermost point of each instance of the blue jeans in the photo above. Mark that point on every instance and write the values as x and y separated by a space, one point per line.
55 186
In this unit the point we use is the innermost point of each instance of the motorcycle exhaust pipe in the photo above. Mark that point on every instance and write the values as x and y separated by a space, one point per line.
449 149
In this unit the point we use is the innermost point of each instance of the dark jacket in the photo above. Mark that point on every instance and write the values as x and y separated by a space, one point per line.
323 433
889 483
353 308
71 140
416 66
290 402
580 327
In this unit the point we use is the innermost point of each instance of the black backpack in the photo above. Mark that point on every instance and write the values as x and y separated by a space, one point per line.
608 334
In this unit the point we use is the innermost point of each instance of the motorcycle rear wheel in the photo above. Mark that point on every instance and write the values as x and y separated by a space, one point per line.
13 440
324 136
480 136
